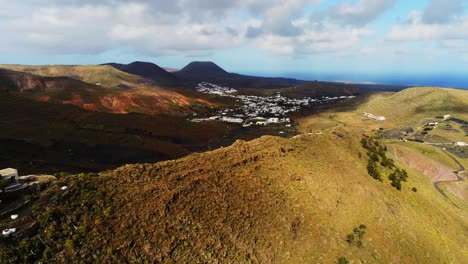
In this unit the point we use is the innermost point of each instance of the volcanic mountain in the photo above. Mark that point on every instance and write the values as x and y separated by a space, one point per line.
203 70
150 71
207 71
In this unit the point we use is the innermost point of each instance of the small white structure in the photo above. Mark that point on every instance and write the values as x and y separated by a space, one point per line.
371 116
64 188
14 216
261 123
273 120
433 124
461 144
232 120
446 117
7 232
281 132
9 174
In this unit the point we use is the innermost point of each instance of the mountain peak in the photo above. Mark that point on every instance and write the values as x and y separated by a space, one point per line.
202 70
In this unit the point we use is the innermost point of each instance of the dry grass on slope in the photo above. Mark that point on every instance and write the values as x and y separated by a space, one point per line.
268 200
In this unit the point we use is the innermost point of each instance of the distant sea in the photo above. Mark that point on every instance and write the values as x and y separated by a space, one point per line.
457 80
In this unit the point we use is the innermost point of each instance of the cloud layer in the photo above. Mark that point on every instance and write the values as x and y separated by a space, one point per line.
201 27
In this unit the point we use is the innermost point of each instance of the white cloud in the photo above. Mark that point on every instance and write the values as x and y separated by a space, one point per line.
359 13
417 30
190 27
441 11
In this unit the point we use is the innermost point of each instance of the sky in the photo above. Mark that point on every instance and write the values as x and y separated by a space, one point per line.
269 37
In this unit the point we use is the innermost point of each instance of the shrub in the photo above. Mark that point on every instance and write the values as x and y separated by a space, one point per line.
357 236
414 189
397 177
343 260
372 170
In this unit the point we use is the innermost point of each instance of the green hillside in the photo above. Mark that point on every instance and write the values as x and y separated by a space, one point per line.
270 200
413 104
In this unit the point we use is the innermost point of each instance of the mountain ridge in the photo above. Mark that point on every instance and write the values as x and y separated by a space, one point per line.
267 200
150 71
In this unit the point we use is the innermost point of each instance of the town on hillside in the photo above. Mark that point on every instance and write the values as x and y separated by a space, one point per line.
259 110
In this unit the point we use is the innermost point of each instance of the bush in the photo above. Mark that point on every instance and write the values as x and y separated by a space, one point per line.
414 189
372 170
343 260
397 177
357 236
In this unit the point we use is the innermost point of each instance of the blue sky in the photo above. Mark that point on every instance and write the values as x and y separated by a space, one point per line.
270 37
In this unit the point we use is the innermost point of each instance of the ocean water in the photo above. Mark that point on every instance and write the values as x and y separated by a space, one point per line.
440 80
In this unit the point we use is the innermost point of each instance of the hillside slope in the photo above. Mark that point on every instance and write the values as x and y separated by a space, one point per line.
39 137
268 200
102 88
410 108
420 102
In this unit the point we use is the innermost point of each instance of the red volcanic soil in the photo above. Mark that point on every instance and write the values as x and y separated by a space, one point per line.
76 100
45 98
203 101
90 107
147 101
435 170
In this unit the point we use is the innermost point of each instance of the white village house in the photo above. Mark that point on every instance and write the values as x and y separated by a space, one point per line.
461 144
9 174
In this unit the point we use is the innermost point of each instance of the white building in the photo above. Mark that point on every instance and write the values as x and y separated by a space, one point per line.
9 174
232 120
446 117
273 120
461 144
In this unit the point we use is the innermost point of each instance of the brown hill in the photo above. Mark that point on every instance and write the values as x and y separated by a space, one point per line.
98 88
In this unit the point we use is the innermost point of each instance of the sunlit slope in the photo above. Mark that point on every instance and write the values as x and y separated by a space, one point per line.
412 107
413 104
104 75
268 200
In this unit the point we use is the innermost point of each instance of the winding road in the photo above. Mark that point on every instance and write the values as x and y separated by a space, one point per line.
457 173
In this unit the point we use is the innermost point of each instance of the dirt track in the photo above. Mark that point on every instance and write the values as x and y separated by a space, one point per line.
457 173
438 172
